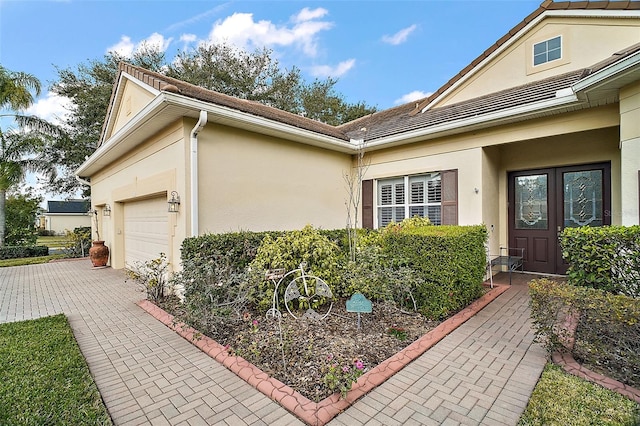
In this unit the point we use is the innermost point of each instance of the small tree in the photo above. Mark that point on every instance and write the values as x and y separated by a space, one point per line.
21 212
353 179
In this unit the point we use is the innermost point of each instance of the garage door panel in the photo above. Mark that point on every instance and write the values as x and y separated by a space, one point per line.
146 229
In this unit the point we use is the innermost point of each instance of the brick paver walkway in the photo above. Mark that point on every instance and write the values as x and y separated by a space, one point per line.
482 373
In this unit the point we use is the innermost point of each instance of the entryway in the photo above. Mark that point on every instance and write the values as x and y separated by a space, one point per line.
542 202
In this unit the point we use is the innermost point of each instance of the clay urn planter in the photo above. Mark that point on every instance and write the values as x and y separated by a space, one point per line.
99 253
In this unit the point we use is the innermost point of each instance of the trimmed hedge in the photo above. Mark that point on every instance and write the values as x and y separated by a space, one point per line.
607 326
442 267
449 261
16 252
606 258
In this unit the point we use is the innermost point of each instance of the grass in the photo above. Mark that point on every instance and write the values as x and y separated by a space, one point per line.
563 399
44 378
53 241
29 260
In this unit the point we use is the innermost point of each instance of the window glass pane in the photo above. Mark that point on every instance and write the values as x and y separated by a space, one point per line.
385 216
435 190
531 202
399 193
540 59
553 55
385 194
399 214
417 192
540 48
416 211
583 204
435 213
554 43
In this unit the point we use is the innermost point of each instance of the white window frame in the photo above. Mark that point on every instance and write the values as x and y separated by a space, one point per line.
546 52
431 197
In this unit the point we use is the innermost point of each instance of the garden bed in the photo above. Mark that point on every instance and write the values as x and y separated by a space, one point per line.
310 348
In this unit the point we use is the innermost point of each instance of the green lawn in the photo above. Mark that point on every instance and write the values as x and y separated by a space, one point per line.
29 260
565 400
53 241
44 379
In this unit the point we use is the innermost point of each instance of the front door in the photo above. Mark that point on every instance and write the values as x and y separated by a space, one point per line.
544 201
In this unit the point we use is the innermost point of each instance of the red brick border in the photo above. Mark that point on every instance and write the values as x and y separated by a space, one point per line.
571 366
322 412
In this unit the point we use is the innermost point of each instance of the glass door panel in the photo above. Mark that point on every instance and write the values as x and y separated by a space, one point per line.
583 198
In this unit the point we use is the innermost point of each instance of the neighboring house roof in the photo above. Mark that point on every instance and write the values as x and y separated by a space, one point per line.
68 207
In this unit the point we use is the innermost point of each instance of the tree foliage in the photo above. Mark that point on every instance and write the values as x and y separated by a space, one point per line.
254 76
21 150
21 213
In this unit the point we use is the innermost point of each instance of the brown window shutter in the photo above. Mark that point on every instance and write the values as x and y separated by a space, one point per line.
450 197
367 204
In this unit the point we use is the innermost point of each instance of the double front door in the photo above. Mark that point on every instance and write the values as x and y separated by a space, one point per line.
543 202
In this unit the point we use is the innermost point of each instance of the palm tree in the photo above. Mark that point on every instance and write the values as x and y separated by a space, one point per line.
20 150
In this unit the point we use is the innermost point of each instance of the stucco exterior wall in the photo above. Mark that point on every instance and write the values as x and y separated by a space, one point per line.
134 99
255 182
586 41
62 223
630 149
468 162
155 168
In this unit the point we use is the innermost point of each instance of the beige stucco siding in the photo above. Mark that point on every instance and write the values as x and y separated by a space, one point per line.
155 168
134 99
630 148
585 41
255 182
60 223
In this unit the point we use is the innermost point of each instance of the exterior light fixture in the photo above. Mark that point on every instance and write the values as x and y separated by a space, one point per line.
106 210
174 202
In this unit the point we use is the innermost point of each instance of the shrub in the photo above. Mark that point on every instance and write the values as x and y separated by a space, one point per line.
606 258
214 276
449 262
287 252
607 326
16 252
153 276
78 242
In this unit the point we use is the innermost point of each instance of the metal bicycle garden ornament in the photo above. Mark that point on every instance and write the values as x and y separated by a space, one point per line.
303 291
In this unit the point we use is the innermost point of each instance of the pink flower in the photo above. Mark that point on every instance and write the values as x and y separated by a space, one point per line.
329 357
255 323
345 369
359 365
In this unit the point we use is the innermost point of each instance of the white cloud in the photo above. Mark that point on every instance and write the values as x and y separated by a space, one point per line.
307 15
412 96
399 37
329 71
126 47
241 30
52 108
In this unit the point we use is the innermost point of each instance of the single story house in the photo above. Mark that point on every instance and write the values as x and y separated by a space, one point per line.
62 216
540 132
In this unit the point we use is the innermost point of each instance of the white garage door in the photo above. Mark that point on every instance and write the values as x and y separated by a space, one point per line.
146 230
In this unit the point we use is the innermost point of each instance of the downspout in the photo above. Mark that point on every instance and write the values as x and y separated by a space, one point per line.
202 121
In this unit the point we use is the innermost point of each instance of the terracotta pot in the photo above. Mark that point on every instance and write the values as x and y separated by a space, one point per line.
99 253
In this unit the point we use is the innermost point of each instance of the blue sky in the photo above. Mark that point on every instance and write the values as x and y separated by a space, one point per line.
382 52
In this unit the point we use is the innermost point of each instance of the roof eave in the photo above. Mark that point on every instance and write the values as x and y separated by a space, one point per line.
562 102
124 139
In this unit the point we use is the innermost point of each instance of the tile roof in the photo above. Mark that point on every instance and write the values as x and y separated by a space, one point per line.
164 83
68 207
379 126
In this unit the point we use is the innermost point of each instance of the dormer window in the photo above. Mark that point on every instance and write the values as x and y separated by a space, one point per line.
547 51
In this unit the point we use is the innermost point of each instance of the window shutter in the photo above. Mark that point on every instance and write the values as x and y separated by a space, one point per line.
367 204
450 197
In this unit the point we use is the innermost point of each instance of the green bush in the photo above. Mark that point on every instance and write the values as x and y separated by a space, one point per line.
449 262
78 242
16 252
607 326
287 252
606 258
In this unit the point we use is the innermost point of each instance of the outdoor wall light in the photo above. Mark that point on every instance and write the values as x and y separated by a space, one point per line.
106 210
174 202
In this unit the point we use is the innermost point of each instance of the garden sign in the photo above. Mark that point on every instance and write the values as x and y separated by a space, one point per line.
360 304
